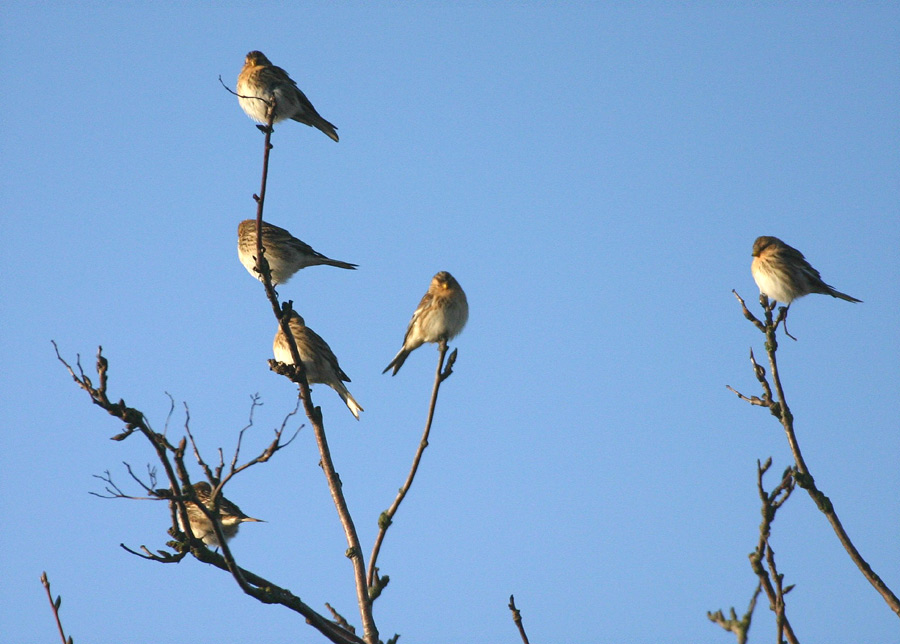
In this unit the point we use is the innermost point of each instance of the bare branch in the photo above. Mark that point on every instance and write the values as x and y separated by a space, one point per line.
747 314
269 593
374 583
113 491
770 579
753 400
297 374
339 619
169 415
271 104
254 403
517 619
269 451
55 604
161 557
803 477
172 459
740 627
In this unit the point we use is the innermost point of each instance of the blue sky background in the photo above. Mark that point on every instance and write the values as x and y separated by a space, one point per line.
594 175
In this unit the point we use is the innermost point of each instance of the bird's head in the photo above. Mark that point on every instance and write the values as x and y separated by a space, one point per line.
444 281
762 243
257 58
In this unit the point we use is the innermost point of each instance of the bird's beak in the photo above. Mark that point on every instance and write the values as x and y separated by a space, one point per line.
254 520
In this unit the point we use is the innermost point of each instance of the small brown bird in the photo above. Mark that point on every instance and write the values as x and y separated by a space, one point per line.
230 516
441 315
319 361
260 82
285 253
783 274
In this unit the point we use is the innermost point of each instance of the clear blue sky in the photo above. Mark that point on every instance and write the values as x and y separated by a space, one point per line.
594 176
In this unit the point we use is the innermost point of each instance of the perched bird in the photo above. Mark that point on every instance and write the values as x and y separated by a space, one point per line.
285 253
230 516
783 274
441 315
260 81
319 361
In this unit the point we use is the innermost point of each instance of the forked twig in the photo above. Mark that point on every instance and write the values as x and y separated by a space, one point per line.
739 626
774 398
770 579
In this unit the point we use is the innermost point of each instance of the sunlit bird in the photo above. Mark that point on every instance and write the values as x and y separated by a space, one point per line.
441 315
783 274
285 253
319 361
230 516
260 82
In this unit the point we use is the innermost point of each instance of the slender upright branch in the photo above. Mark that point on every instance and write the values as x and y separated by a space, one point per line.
55 604
778 406
769 579
262 265
376 584
517 619
297 373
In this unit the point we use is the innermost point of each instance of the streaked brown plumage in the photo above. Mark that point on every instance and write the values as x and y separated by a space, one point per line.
230 516
260 79
285 253
319 361
783 274
441 315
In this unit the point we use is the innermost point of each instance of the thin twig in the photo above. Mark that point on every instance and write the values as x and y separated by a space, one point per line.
805 479
517 619
376 584
771 502
297 373
254 403
55 606
202 463
740 627
339 619
169 415
779 407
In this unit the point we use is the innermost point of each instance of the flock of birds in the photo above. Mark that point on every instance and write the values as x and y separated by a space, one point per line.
442 312
780 271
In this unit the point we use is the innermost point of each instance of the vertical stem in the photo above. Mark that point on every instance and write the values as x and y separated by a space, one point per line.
517 619
46 582
384 521
262 265
354 550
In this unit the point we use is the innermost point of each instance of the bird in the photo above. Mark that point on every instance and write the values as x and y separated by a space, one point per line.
260 81
440 316
319 361
285 253
783 274
230 515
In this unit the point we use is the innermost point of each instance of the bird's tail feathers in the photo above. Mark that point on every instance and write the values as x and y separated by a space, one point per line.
843 296
339 264
351 403
397 362
319 123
